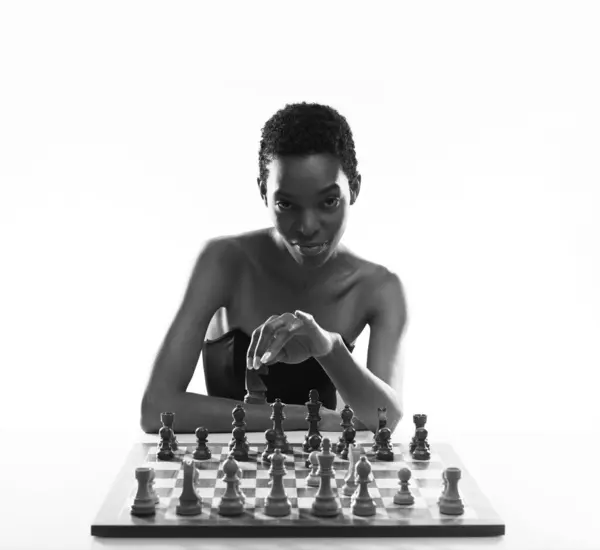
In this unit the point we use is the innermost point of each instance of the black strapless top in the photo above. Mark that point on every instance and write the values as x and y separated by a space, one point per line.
224 362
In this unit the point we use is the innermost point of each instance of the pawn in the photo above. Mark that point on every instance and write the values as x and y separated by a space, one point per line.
202 451
421 451
190 503
151 486
314 444
361 503
165 452
231 503
349 434
386 450
404 496
350 484
240 448
143 503
271 437
450 502
312 479
277 503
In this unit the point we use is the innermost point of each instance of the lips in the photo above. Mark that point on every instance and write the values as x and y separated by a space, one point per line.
311 249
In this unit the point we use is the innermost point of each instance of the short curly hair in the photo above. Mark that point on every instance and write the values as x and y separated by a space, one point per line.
306 129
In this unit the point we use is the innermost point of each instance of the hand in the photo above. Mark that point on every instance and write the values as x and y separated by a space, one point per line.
288 338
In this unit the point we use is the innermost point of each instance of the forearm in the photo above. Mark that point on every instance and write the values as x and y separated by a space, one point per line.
360 388
193 410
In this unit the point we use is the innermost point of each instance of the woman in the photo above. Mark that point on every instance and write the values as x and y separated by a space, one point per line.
285 304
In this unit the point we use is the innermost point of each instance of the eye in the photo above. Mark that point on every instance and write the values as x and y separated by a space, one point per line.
336 199
282 204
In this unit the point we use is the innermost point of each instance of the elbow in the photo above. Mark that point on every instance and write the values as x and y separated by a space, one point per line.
149 415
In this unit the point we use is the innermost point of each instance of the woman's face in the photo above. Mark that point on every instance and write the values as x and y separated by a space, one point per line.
308 200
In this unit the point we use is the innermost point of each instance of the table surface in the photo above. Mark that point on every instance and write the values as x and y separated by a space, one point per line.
546 497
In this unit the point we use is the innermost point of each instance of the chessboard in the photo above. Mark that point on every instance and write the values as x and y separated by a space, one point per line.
423 518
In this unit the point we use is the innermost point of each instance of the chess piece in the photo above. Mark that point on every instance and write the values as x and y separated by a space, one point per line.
350 484
326 503
151 487
278 416
240 448
386 450
313 479
313 418
231 502
348 435
143 503
314 443
404 496
450 502
361 503
167 419
347 414
202 451
419 421
164 449
238 415
271 438
256 390
382 420
277 503
444 485
421 451
190 503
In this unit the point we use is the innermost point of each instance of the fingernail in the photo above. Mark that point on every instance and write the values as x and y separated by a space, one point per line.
266 356
256 363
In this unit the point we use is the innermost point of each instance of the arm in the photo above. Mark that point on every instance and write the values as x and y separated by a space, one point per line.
366 388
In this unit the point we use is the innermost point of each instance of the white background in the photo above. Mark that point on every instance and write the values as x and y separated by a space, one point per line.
129 134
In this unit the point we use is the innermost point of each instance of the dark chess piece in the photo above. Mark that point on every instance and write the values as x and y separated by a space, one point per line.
347 414
314 444
420 421
271 438
386 450
240 448
450 502
164 447
256 390
421 451
202 451
312 417
167 419
382 419
278 417
348 435
238 414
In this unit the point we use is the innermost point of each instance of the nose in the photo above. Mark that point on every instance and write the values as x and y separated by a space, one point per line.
309 223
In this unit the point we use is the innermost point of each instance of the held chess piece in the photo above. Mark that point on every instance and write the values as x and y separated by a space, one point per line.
386 450
450 501
202 451
238 415
382 419
256 390
240 447
314 443
404 496
326 503
278 417
164 447
190 503
271 438
347 414
313 479
167 419
143 503
231 502
350 484
421 451
361 503
313 418
277 503
420 421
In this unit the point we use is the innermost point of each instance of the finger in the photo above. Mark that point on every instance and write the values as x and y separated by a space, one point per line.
269 332
250 353
277 345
